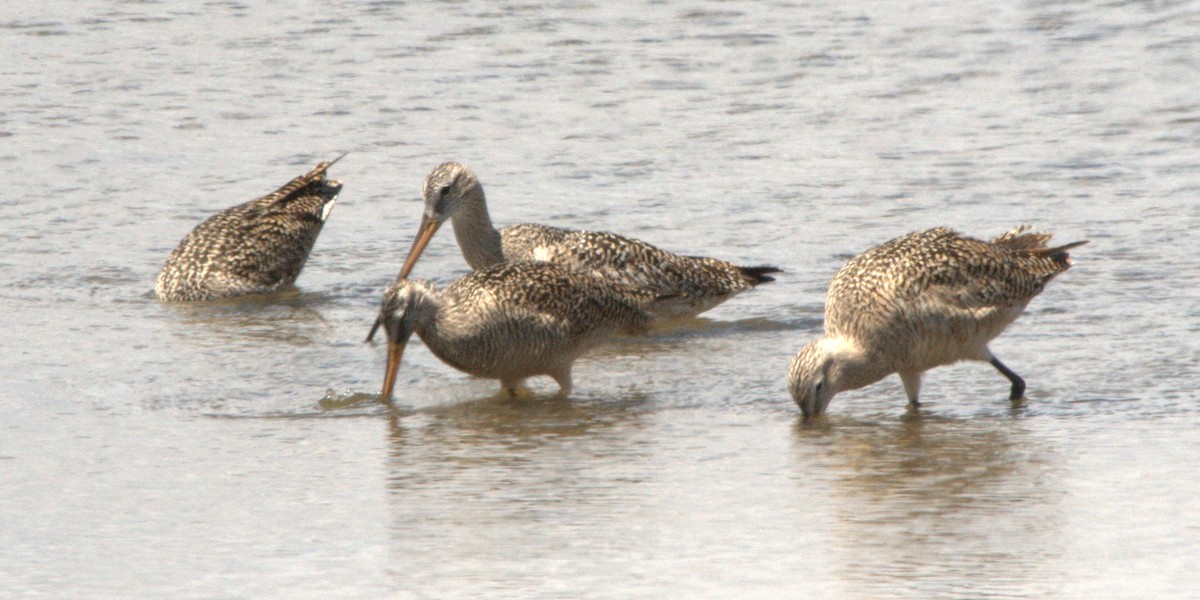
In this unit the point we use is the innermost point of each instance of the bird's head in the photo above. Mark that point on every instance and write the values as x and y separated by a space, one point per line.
811 378
404 307
448 188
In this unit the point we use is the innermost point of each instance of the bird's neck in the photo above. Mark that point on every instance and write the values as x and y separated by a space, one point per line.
427 308
444 333
477 237
854 367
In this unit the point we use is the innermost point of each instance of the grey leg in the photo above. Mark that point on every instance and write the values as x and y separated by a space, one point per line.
563 379
912 386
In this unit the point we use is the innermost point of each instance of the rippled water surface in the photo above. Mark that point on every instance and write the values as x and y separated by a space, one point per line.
231 449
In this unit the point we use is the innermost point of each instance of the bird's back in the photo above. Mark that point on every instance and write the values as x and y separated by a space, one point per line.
694 283
529 318
574 300
940 286
256 247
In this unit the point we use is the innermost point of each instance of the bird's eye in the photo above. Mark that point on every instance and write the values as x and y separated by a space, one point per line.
444 191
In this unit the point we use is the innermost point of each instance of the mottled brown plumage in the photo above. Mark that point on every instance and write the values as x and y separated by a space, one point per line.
510 321
686 285
253 248
919 301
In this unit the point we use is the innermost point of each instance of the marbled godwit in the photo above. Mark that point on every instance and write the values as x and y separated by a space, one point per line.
510 321
253 248
686 285
919 301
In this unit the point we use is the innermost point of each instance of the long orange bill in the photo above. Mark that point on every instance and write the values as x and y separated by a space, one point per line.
395 351
374 328
424 234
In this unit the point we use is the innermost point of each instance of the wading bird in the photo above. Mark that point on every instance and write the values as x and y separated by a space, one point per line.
686 285
258 247
510 321
919 301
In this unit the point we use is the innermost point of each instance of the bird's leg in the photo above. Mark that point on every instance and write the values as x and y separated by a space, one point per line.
1018 384
512 387
564 382
912 386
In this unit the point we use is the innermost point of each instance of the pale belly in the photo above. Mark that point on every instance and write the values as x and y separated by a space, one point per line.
933 343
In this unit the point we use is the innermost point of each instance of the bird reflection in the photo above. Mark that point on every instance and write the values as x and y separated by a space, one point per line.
512 423
470 477
936 496
291 318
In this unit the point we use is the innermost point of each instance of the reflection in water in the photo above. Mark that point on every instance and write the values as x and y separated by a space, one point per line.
481 481
935 505
676 335
497 429
785 133
289 317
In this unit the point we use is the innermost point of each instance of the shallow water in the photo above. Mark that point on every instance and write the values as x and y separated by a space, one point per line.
230 449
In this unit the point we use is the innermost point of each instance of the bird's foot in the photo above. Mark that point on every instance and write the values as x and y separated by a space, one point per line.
1018 393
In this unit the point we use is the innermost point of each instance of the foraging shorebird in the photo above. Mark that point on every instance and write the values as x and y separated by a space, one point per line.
257 247
686 285
919 301
510 321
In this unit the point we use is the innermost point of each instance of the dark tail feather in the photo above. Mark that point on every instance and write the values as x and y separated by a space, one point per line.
1059 253
319 170
287 192
760 274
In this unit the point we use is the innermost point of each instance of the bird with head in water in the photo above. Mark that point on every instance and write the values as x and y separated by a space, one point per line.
510 321
257 247
919 301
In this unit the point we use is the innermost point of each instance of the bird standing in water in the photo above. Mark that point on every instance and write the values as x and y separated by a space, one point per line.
510 321
919 301
258 247
686 285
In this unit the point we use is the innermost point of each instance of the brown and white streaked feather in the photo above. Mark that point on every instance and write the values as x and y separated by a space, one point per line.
917 276
517 320
256 247
922 300
687 285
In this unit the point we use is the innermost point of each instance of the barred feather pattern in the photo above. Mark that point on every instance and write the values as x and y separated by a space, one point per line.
912 295
689 285
685 285
516 320
922 300
253 248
